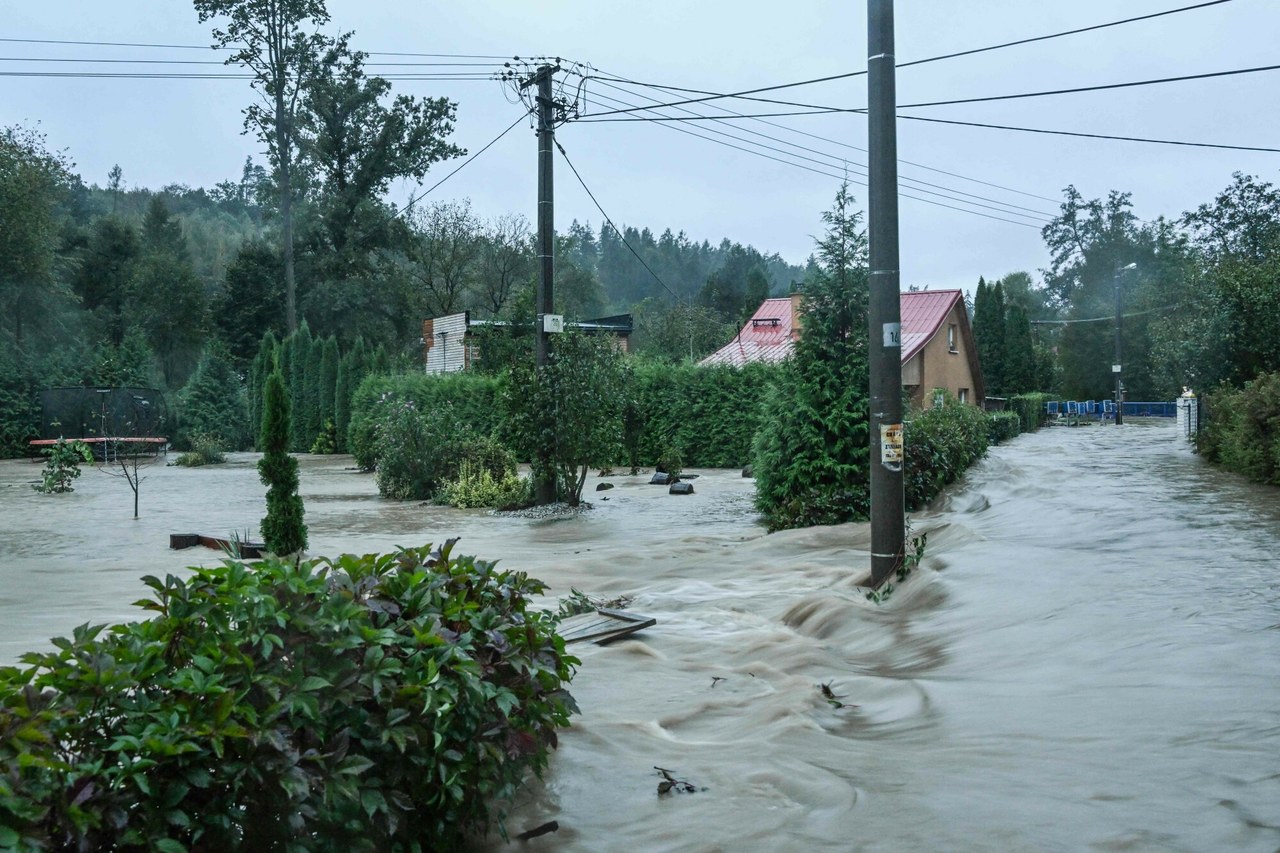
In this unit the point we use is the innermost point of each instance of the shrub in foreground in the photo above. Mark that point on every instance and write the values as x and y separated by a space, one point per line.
366 703
1242 429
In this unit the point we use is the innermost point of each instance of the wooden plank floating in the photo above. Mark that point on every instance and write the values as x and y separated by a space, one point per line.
603 626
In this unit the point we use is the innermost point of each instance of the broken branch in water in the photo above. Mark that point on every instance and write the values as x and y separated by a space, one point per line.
670 783
832 699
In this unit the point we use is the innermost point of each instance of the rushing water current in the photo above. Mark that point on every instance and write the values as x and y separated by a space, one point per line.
1089 658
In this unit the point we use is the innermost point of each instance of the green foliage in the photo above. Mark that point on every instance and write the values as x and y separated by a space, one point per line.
477 487
811 455
1019 353
326 442
1241 430
421 452
383 702
283 530
989 333
568 414
1030 410
1002 426
940 445
474 401
62 466
710 413
213 402
206 449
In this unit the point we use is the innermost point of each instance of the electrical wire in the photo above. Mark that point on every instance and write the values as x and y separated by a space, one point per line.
817 109
414 200
845 177
847 75
1093 135
216 47
1108 318
1015 208
615 228
1103 87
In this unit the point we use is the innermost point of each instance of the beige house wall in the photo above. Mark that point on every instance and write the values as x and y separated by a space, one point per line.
938 366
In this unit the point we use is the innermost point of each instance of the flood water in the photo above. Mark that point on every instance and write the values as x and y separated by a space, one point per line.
1088 660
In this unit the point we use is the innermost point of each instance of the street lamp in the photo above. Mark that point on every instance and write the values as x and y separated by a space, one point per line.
1116 366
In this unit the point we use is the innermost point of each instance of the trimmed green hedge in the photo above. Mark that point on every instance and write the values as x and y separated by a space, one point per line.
383 702
1002 426
475 401
1030 409
710 415
1241 429
940 445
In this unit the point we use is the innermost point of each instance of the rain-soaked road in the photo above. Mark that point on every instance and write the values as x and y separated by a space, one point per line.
1089 660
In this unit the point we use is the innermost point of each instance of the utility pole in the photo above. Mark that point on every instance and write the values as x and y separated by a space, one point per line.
545 487
888 504
1117 365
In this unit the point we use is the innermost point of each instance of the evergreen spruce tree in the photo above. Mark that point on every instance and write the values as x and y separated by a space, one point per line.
351 370
812 456
283 530
213 402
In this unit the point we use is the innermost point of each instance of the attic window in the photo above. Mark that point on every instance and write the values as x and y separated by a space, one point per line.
766 321
951 337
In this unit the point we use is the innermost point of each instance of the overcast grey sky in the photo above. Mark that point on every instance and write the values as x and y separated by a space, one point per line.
650 174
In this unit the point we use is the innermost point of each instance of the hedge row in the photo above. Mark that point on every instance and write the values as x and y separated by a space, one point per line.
709 415
940 445
383 702
475 401
1241 429
1030 409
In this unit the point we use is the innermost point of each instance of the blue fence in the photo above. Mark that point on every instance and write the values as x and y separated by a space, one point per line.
1106 409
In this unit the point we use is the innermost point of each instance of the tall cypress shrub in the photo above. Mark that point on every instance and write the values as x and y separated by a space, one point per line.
283 530
812 452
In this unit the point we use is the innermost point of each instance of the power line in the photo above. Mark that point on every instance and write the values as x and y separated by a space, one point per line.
862 168
175 75
1109 318
714 96
1093 135
221 63
843 144
1100 88
1061 34
845 177
818 109
429 190
216 47
615 228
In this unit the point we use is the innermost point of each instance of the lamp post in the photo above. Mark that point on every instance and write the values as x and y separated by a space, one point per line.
1116 366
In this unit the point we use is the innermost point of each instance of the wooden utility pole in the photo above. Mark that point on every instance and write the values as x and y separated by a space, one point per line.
545 487
888 506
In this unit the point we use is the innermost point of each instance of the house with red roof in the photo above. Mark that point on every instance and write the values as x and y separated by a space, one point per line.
938 349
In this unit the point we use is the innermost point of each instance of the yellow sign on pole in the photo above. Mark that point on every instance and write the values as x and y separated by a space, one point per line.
891 446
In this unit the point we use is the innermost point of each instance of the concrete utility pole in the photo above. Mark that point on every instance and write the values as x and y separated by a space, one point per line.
545 487
888 505
1117 366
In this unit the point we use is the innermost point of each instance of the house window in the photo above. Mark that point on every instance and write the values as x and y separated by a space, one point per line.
951 337
963 395
939 398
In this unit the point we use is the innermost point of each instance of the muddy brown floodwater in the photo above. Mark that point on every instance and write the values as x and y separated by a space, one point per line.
1089 659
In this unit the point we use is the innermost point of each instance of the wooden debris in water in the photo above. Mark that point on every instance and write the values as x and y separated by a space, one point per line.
549 826
832 699
602 626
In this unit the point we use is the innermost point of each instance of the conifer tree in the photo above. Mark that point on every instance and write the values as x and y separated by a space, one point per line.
283 530
812 456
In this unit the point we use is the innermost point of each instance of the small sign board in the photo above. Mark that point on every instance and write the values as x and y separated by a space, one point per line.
1115 368
893 334
552 323
891 446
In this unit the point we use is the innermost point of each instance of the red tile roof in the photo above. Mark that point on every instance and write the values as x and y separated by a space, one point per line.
768 336
923 313
762 339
